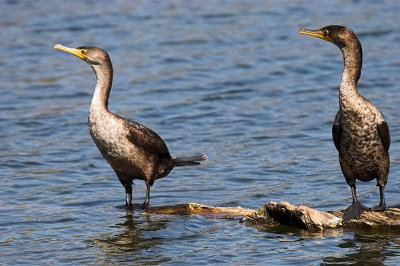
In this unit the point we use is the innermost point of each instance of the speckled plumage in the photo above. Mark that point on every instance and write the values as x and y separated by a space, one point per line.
360 132
132 150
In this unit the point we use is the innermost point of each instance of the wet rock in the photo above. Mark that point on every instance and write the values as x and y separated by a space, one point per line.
284 213
299 216
204 210
388 220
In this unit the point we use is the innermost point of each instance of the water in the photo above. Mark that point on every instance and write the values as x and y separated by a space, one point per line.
232 79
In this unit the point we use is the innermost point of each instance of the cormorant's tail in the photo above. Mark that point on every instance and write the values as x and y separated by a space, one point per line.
189 160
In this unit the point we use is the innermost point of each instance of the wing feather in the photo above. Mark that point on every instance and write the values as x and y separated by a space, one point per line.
384 134
337 131
146 138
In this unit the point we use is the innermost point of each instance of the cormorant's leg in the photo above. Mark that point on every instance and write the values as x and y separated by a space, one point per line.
354 194
355 210
382 202
355 200
128 193
146 202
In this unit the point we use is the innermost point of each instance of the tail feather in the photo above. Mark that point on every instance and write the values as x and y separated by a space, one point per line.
195 160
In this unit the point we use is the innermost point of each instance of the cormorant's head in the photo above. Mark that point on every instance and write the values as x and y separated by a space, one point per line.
339 35
90 54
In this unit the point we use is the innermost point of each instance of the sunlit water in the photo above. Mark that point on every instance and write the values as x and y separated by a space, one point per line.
231 79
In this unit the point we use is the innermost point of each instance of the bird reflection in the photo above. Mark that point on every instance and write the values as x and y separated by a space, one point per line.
128 242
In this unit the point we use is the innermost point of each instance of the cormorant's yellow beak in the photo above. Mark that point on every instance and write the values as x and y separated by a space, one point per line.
322 34
77 52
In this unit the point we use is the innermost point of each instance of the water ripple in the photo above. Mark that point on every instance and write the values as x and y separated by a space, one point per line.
232 79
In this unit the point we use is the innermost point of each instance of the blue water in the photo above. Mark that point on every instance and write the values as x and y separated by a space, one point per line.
231 79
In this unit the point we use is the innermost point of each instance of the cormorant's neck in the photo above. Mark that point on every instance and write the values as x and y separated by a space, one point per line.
104 75
352 56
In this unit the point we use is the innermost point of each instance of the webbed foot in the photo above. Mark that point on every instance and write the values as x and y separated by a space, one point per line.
379 207
354 211
145 205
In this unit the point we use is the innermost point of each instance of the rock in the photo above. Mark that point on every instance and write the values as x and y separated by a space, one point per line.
388 220
284 213
298 216
208 211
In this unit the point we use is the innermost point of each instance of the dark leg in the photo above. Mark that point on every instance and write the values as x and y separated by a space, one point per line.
382 203
128 192
354 194
356 209
146 202
355 200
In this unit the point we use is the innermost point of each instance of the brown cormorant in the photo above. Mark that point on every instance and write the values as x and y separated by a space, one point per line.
360 132
132 150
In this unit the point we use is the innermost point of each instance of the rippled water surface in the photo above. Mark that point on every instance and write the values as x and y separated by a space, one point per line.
232 79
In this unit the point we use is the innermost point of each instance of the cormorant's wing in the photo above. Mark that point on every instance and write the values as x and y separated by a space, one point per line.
337 131
146 138
384 134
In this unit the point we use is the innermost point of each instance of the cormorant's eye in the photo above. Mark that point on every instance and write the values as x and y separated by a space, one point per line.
82 51
325 33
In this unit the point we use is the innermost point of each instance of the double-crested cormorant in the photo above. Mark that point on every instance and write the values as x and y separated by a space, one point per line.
360 132
132 150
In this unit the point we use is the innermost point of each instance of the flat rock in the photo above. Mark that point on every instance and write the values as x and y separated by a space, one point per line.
204 210
284 213
375 220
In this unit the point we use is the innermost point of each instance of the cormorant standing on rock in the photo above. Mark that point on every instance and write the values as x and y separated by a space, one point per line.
360 132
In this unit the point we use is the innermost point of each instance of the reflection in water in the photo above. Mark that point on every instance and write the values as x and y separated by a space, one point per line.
366 249
230 78
358 247
300 233
129 244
